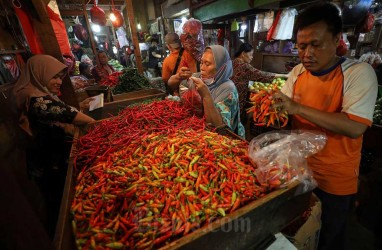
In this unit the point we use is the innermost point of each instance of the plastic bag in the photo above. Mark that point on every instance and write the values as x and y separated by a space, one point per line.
273 27
192 38
366 25
192 100
281 157
284 28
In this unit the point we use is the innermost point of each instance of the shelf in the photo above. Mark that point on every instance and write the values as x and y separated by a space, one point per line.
277 54
12 51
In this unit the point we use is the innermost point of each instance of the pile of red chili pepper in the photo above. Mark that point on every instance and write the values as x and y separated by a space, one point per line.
263 112
111 134
112 79
160 187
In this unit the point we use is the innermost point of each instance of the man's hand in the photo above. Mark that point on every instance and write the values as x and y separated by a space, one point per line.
84 105
201 87
285 103
184 73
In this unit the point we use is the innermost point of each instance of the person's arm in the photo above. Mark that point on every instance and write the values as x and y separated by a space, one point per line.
81 119
360 92
175 80
212 114
338 123
51 111
258 75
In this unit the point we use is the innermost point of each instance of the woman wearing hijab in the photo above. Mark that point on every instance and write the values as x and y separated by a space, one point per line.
47 121
243 72
218 92
104 69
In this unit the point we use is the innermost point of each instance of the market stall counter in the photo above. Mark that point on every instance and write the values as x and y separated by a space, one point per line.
121 101
177 163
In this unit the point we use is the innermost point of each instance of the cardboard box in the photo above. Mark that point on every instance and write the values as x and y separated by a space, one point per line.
304 233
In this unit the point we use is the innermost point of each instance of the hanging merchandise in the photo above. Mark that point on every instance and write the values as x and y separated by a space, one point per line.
60 31
234 26
97 15
284 28
121 36
192 38
80 31
273 27
116 17
341 48
366 25
263 21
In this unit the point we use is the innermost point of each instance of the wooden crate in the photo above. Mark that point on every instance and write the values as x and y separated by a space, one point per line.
247 227
121 101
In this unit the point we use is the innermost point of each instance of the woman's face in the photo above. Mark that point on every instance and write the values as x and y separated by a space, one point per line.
207 64
55 83
103 58
247 56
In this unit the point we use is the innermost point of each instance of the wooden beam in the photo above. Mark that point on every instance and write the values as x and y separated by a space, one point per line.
134 35
71 12
91 35
45 32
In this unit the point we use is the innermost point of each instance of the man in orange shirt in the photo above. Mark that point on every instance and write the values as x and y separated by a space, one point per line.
177 59
336 96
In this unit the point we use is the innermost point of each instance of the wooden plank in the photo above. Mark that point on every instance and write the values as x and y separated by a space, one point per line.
123 100
134 35
85 13
71 12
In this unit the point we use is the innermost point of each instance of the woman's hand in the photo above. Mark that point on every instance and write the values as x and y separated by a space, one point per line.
201 87
285 103
84 105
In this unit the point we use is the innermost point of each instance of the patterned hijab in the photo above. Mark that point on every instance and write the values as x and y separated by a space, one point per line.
40 69
223 63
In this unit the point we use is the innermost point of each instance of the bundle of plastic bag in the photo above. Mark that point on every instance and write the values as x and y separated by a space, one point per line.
281 157
192 100
192 38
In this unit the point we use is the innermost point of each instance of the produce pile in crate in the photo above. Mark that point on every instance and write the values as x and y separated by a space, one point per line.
153 174
261 99
126 80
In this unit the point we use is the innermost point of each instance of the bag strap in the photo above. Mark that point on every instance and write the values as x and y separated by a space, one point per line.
178 61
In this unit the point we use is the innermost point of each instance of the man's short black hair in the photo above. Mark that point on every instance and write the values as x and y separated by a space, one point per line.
323 11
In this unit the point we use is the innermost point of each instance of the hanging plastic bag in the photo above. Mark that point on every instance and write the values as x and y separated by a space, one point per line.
192 38
281 157
284 28
192 100
273 27
97 15
366 25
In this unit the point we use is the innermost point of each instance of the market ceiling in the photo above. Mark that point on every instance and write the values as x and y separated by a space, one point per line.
104 4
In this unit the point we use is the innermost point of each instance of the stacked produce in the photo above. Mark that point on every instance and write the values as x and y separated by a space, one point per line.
112 134
129 81
112 79
258 86
377 118
263 112
116 65
161 187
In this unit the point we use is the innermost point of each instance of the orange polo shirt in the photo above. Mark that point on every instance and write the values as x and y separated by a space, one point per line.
351 88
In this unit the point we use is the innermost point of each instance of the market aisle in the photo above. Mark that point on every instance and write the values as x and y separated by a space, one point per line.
365 225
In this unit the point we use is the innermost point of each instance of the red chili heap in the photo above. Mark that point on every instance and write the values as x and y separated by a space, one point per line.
160 187
263 113
132 123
